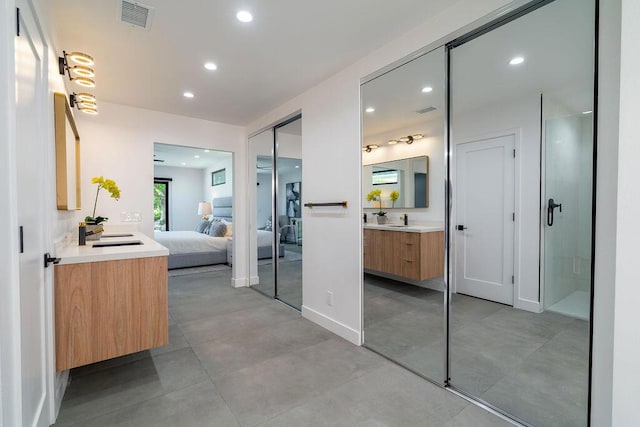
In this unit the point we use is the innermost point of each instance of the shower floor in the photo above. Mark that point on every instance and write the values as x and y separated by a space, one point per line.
576 304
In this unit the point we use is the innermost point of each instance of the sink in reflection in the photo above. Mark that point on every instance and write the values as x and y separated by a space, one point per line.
110 244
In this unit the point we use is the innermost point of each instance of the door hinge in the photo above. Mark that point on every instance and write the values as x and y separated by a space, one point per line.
21 236
513 280
18 21
513 216
514 153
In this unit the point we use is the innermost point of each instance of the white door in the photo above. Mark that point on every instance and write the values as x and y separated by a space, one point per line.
484 226
30 150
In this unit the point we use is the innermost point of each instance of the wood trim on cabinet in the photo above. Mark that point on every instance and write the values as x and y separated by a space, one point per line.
416 256
108 309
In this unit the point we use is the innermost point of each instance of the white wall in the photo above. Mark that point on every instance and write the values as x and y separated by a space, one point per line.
222 190
331 138
186 190
118 143
606 216
626 342
262 202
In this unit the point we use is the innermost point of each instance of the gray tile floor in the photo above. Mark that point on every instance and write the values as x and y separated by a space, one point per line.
289 278
534 366
236 358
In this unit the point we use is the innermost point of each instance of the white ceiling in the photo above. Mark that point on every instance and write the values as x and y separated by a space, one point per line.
185 157
290 46
556 42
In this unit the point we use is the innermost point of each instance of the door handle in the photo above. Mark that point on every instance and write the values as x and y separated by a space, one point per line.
48 259
551 206
461 227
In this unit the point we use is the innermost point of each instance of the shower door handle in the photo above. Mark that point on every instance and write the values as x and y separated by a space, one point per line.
551 206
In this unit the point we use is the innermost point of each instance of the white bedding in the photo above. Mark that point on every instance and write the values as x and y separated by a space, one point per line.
184 242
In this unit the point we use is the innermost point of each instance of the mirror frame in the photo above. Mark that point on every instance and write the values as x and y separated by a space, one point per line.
62 117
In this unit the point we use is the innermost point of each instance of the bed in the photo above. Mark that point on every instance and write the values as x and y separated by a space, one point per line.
192 248
196 248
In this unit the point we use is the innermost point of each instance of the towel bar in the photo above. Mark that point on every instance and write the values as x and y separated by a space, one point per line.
314 205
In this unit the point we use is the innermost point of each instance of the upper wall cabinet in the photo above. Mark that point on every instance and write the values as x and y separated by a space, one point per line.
68 195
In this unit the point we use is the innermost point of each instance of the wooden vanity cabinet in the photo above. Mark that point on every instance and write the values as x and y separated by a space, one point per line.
416 256
109 308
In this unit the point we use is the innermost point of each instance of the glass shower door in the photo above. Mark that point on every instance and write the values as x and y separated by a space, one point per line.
567 224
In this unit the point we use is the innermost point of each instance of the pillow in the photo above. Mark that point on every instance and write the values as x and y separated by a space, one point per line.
202 226
217 229
229 228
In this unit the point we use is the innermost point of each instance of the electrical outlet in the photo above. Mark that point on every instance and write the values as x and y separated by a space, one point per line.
130 217
330 298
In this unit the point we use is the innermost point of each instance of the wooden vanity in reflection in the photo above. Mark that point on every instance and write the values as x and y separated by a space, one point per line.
415 253
109 301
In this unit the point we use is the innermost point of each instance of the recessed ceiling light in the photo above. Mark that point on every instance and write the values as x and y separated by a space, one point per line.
210 66
196 157
244 16
517 60
183 164
206 151
297 166
427 89
587 112
392 141
188 95
370 109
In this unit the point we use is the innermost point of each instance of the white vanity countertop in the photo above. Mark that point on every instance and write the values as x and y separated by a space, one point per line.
71 253
415 228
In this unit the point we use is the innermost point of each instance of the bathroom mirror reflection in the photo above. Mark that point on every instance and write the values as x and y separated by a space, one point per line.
404 183
403 296
522 158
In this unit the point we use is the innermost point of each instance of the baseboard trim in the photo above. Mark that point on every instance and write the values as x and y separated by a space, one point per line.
332 325
533 306
62 379
254 280
240 282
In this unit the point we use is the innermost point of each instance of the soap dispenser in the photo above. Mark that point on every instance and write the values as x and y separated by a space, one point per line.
82 233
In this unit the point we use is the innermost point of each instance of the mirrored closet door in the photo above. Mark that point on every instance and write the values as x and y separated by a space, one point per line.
261 243
499 309
522 156
403 173
289 212
276 242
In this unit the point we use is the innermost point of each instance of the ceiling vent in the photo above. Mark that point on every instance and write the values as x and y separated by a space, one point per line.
136 14
425 110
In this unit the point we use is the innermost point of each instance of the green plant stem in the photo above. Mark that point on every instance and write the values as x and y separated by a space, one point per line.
95 204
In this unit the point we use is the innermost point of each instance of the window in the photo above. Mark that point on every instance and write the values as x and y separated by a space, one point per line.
161 204
385 177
